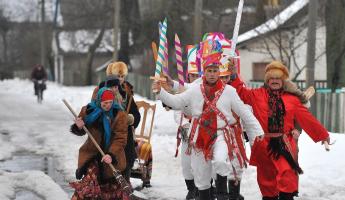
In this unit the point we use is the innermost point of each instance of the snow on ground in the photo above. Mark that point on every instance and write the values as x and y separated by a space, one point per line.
36 181
26 126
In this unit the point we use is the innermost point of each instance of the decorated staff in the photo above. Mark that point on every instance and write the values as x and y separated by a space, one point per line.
154 50
160 55
179 60
163 32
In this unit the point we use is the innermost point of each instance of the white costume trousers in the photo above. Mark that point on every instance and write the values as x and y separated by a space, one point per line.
186 162
220 164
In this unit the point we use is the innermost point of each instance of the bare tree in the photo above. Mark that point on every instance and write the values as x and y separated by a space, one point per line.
283 43
91 54
197 25
335 43
5 26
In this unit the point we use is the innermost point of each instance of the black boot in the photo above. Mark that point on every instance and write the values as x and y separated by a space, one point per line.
286 196
192 190
270 198
213 191
234 190
222 190
204 194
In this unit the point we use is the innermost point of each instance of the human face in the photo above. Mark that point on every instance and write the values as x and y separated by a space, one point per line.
121 78
106 105
114 89
192 77
275 83
212 74
225 79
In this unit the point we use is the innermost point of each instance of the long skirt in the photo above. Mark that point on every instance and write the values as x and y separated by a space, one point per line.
90 189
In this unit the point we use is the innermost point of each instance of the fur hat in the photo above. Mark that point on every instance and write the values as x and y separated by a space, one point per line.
224 70
276 69
117 68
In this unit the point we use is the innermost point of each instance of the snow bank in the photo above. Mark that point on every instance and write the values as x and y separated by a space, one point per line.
36 181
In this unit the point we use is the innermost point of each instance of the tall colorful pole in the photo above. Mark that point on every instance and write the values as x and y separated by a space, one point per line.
179 60
163 30
160 57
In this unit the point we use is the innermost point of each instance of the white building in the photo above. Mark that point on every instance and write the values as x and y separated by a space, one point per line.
283 37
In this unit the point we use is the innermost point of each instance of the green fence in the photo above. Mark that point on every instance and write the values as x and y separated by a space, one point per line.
330 110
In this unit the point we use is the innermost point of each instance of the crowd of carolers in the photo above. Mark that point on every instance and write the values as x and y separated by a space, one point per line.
213 108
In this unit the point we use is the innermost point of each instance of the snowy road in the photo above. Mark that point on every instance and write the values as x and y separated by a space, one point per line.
26 126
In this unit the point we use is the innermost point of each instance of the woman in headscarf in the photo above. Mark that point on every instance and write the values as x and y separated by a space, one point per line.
107 123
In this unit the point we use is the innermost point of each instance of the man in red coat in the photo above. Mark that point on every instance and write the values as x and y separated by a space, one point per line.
275 156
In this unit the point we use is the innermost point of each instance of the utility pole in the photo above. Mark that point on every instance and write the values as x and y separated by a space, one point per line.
197 20
312 17
116 28
43 42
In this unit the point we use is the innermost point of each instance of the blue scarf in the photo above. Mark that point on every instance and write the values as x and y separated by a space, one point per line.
105 116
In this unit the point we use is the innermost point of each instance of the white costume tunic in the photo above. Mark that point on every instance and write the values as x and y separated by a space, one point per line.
228 101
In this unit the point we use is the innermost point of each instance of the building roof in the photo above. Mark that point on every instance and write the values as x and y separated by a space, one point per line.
29 10
80 40
275 22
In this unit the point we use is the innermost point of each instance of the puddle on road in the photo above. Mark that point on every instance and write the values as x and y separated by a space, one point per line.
23 161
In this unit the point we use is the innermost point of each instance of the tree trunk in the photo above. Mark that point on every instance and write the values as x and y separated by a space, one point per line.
335 43
197 20
260 15
91 54
43 34
4 39
312 15
123 54
117 6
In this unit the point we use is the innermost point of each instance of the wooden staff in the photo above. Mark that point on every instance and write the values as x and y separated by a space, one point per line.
117 174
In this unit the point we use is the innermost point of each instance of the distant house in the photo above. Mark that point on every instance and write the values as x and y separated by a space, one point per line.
285 35
70 52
